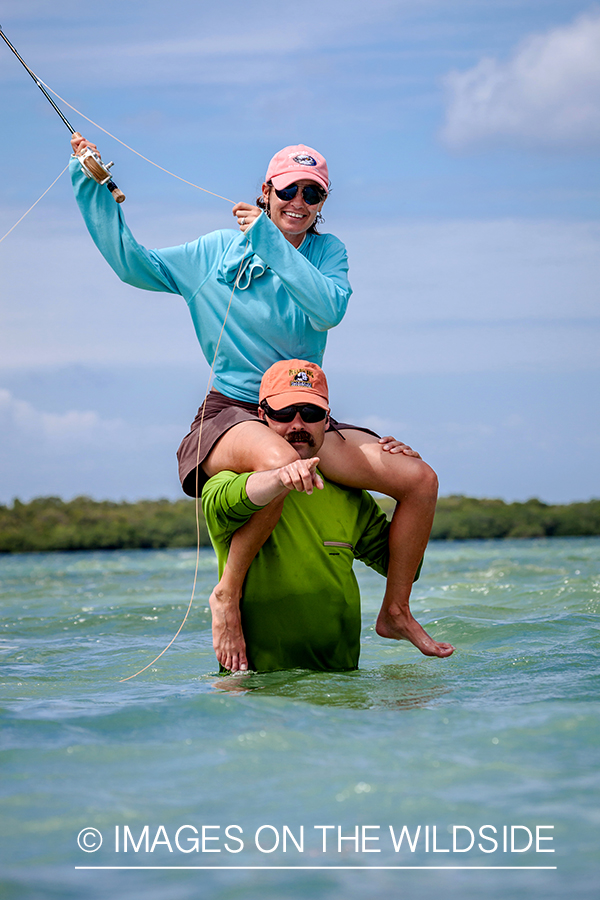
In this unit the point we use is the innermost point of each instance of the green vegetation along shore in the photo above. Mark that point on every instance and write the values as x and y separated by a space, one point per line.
49 523
459 518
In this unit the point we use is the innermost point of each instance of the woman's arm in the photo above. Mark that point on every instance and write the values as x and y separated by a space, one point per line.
176 270
322 289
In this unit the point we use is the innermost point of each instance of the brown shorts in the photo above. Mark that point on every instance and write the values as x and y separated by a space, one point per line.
220 414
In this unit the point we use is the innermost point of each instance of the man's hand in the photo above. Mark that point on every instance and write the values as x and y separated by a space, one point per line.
391 445
301 475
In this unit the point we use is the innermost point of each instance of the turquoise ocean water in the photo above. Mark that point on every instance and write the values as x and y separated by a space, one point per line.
504 734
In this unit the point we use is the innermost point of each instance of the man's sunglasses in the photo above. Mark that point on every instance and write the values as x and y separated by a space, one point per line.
308 413
311 193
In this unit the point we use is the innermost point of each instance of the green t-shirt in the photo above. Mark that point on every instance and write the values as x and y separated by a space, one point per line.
301 604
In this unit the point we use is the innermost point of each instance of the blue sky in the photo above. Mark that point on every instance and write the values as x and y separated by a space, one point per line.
462 141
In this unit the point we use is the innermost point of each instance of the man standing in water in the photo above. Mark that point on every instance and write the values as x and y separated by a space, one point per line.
301 604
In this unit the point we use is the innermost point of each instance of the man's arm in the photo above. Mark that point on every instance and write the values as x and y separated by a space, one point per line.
301 475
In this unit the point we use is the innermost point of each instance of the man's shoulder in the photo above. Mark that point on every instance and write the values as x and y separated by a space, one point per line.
224 488
219 478
223 475
226 505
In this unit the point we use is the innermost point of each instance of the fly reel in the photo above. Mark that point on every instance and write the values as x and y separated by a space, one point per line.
93 167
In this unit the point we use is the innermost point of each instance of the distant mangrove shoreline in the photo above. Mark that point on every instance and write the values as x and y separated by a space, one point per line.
49 523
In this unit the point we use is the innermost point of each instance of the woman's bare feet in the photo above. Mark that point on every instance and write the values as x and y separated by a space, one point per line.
395 623
228 638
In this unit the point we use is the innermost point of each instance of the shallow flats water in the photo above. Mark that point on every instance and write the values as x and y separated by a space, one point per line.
471 777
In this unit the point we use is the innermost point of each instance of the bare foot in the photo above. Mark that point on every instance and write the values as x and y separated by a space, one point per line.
228 638
400 626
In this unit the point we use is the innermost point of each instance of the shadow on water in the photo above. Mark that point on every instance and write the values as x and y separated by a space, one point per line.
387 687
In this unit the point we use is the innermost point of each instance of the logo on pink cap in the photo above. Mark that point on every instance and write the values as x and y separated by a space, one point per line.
291 163
303 159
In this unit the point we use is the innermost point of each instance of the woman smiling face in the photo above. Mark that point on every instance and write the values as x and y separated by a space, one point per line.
293 217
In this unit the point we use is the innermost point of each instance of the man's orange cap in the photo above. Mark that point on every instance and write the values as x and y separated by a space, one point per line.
294 381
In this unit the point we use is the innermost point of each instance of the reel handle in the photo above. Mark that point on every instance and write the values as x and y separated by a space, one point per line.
117 193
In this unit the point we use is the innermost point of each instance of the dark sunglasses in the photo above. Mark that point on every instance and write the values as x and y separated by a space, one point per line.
308 413
311 193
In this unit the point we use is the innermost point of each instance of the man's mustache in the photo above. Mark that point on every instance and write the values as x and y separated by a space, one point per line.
300 437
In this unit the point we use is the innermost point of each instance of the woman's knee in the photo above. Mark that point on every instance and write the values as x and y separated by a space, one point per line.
428 479
417 479
275 456
248 447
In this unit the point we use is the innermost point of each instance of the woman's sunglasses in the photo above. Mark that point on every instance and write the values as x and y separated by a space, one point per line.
308 413
310 192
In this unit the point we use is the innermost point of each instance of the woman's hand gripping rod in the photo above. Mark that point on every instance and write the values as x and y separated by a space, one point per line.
89 159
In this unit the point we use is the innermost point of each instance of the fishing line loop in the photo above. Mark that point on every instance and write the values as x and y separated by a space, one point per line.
34 204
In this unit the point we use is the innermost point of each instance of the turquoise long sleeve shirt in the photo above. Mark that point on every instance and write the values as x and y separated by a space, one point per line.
283 305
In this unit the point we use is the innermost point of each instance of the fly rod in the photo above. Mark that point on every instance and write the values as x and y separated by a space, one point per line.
90 161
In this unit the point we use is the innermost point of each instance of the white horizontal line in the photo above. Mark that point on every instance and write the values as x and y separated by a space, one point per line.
295 868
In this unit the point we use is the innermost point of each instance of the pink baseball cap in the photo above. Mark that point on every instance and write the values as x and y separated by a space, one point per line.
296 163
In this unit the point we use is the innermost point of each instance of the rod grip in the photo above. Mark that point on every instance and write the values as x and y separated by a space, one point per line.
117 193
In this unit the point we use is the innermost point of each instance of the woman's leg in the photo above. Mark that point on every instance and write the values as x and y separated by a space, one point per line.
359 461
247 447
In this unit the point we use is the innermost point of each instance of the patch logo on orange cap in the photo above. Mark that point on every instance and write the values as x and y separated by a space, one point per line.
301 377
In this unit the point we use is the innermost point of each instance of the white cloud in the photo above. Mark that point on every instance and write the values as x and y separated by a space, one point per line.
546 95
20 419
83 452
76 429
